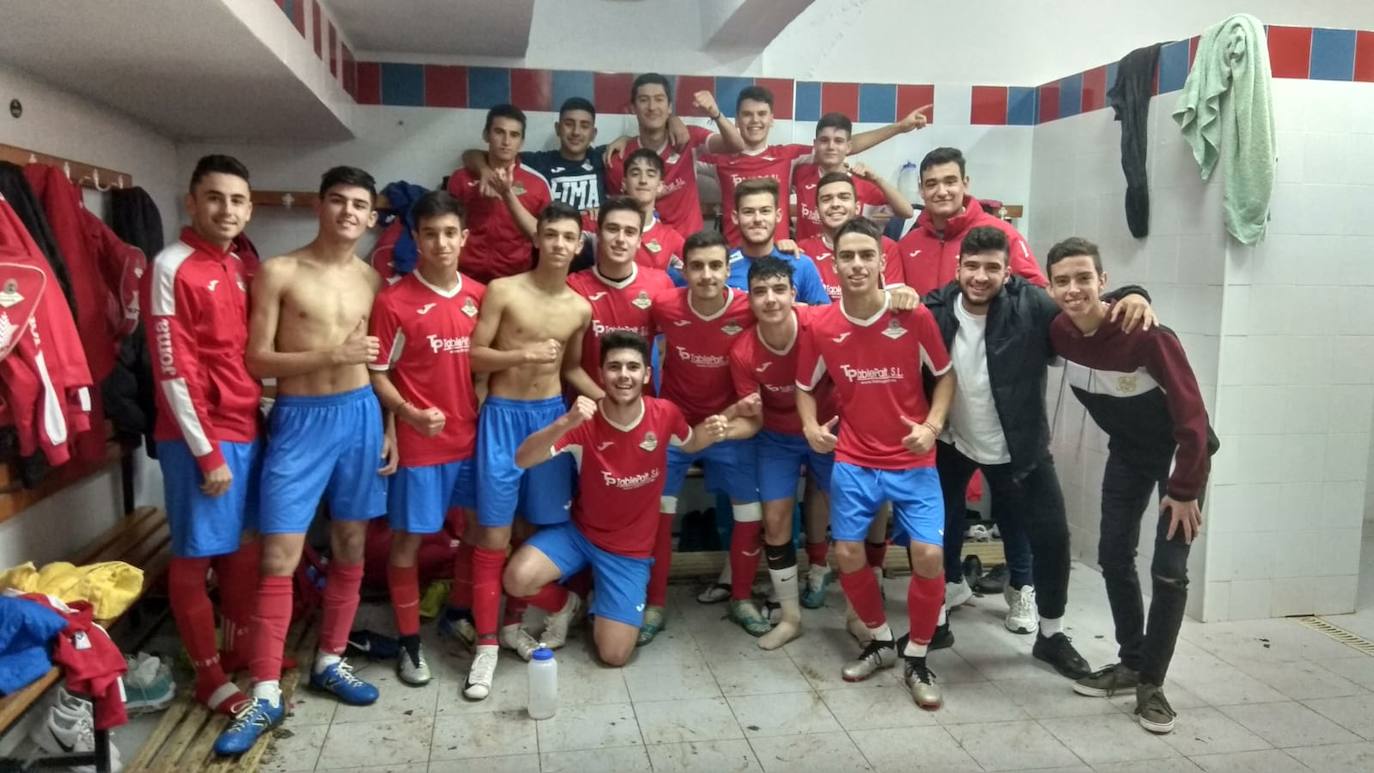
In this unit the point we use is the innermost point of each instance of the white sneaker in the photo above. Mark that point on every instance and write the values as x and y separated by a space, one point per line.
413 670
957 593
514 637
478 685
65 732
1021 613
556 625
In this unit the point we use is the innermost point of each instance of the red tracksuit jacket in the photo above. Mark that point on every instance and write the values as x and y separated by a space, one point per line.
930 259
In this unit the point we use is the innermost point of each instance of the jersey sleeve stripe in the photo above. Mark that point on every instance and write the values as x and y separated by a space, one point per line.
820 371
178 397
926 361
674 440
165 265
54 417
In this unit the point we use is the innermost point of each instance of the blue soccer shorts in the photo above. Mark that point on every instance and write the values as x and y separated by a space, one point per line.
621 582
918 508
204 526
542 495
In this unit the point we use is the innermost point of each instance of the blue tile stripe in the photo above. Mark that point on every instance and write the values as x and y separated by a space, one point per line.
877 102
1333 55
1071 95
727 92
1173 66
403 84
573 83
807 104
1021 106
488 87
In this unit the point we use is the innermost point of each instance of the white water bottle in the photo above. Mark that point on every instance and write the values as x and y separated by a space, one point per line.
543 671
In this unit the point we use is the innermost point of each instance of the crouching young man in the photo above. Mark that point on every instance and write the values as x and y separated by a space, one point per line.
620 444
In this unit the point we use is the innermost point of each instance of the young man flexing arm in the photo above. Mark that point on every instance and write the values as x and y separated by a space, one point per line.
875 197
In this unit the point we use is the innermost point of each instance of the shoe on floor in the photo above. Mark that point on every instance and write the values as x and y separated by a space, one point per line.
1058 651
653 625
920 680
148 686
1108 681
514 637
456 624
372 645
943 638
411 666
957 593
876 655
478 684
749 617
67 731
715 593
1022 616
1153 709
993 582
818 580
250 724
338 680
556 625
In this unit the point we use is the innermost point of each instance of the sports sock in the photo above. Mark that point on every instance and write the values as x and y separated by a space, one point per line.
1051 626
817 553
270 622
236 574
404 584
924 598
876 553
782 570
268 690
746 547
486 592
460 597
943 619
340 605
195 619
663 560
861 588
550 598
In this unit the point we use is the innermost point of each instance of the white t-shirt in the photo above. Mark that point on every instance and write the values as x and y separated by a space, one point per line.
974 426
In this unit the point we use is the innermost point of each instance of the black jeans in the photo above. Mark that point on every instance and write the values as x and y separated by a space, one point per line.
1031 509
1127 491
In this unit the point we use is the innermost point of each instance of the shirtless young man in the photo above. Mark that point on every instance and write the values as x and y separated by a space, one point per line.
308 330
529 338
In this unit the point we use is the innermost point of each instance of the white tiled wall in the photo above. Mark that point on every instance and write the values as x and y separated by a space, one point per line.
1281 337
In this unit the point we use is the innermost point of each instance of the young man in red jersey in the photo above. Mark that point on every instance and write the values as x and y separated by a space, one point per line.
754 115
700 323
423 377
763 362
873 195
619 289
837 198
499 242
886 450
660 245
207 424
651 99
930 250
620 444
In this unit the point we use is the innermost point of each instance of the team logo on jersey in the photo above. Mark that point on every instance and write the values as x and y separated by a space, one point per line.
10 294
654 247
1127 385
556 169
518 189
603 445
425 309
894 330
672 158
470 308
731 329
594 297
213 284
650 441
587 165
642 301
764 366
839 339
682 322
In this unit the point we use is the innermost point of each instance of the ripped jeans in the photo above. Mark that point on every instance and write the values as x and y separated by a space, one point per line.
1128 493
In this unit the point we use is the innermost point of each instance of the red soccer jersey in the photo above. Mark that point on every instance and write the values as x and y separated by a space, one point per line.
621 472
823 255
679 204
774 161
425 335
805 180
757 367
696 359
617 305
876 366
659 246
496 246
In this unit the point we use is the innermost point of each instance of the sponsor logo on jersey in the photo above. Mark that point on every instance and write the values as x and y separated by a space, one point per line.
599 328
682 322
556 169
594 297
470 307
764 366
629 482
457 345
642 301
809 186
914 253
425 309
650 441
603 445
894 330
884 375
781 389
702 360
839 339
162 335
213 284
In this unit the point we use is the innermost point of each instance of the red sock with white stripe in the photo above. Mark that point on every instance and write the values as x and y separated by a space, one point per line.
340 606
861 588
404 584
817 553
195 619
270 622
925 597
746 548
486 592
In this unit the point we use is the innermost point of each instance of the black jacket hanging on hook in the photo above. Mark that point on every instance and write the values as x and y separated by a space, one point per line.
1130 99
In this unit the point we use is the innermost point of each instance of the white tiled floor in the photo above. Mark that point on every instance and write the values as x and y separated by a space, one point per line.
1252 696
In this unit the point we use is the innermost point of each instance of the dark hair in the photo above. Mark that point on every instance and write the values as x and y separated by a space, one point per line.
756 185
645 154
860 225
556 211
1072 247
984 239
350 176
618 204
504 110
577 103
755 93
835 121
703 239
769 267
836 177
649 78
216 163
940 156
437 204
624 339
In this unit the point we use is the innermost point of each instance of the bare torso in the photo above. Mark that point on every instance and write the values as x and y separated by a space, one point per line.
321 305
531 314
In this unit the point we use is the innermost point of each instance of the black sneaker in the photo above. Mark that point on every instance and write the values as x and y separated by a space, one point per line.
1106 682
943 638
1058 651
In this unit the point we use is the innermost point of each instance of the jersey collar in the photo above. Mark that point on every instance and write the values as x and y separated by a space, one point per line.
796 328
866 322
627 427
619 284
458 288
729 301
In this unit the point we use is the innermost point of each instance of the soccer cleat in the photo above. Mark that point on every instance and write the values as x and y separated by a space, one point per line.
1153 709
877 655
957 593
372 645
478 684
338 680
1107 681
943 638
714 593
1058 651
556 625
749 618
412 668
517 639
1022 616
920 680
818 581
249 724
653 625
457 624
148 685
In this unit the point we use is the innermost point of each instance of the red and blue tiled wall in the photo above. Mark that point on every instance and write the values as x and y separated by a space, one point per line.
1294 52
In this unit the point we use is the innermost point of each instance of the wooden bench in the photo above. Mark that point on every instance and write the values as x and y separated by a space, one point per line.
140 539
